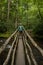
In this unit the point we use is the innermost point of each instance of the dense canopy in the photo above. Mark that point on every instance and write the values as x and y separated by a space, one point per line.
27 12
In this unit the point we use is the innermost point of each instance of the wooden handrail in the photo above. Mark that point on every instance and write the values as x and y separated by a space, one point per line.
33 42
9 53
28 58
6 42
31 53
26 52
14 52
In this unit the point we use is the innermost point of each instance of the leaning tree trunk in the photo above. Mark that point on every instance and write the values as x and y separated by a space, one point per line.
8 10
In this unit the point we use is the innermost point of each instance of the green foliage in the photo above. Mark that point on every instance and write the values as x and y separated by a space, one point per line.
28 12
38 30
3 27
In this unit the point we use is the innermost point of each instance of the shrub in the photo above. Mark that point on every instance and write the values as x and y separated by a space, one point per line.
38 30
3 27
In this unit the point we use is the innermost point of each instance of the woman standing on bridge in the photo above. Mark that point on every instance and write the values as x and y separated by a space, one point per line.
20 29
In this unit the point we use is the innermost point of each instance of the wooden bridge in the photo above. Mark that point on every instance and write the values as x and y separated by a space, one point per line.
23 50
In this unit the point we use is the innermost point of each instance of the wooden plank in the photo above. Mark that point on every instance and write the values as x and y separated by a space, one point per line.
20 58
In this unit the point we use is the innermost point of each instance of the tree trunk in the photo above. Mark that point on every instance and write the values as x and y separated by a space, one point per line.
8 10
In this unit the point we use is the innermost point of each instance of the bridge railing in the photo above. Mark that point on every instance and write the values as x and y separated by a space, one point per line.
10 51
7 41
33 42
27 46
28 49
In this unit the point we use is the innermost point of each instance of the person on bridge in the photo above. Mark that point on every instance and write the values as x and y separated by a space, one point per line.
20 29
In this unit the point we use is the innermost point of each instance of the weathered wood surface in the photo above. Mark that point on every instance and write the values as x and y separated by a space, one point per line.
9 53
20 58
6 42
31 54
34 43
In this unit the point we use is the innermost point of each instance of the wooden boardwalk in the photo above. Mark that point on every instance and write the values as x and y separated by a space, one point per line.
20 58
21 52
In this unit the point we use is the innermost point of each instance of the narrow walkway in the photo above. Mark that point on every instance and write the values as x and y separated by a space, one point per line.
20 59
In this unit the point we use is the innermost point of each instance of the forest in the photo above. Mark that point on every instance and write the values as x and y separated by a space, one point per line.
27 12
21 32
